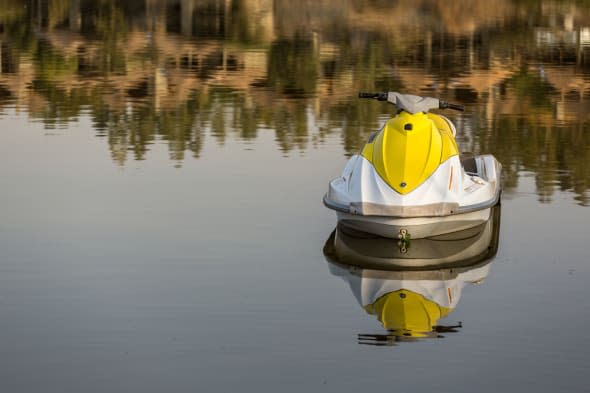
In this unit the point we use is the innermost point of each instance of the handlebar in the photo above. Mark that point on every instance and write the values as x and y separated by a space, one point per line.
448 105
377 96
384 97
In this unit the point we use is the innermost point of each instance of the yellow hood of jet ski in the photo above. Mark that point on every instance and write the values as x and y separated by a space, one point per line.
409 148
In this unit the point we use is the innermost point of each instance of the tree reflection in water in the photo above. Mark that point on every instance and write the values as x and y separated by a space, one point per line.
178 70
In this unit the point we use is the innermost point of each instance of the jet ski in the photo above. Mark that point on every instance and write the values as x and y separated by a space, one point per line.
410 290
409 180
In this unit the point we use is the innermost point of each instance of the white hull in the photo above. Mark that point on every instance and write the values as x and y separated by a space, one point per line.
442 204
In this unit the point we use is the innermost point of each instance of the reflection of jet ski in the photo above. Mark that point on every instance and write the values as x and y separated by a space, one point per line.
409 178
410 301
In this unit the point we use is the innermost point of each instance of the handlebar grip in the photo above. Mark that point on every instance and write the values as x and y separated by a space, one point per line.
457 107
368 95
378 96
448 105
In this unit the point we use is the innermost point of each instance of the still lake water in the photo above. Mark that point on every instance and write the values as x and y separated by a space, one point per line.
162 165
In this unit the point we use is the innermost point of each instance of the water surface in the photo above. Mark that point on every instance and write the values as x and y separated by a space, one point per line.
162 165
